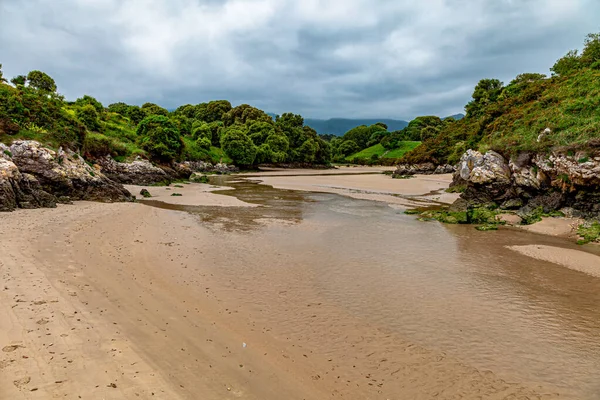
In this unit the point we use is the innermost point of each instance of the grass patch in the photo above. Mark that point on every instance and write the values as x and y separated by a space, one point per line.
176 194
381 152
589 232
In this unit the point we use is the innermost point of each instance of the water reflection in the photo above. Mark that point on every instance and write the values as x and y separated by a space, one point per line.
450 288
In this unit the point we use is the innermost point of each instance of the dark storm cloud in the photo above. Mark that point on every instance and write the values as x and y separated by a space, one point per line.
320 58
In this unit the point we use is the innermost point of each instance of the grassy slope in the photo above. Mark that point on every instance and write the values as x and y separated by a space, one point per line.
569 106
382 152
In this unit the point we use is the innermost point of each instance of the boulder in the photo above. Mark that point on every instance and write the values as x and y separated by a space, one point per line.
189 167
422 169
138 172
533 183
64 173
19 190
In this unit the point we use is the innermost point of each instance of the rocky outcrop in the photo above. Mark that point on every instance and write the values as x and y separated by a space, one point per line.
531 182
143 172
138 172
189 167
422 169
32 176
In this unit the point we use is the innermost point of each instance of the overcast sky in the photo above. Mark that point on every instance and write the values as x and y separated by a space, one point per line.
319 58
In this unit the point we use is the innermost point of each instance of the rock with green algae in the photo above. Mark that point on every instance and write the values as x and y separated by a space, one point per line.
589 232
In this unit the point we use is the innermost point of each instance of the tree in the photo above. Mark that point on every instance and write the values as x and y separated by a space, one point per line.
19 80
160 137
429 132
591 50
245 114
238 146
486 92
202 130
259 131
2 79
154 109
92 101
347 147
119 108
213 110
203 143
41 81
567 64
89 117
278 142
135 114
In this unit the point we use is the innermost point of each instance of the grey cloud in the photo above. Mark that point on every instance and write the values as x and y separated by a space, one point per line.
330 58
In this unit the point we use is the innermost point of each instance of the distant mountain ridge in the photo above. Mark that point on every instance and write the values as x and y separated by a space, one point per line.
339 126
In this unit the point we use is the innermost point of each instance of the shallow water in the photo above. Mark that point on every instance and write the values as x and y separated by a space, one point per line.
450 289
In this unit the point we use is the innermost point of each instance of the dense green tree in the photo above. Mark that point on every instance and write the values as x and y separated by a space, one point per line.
486 92
259 131
290 120
88 115
347 147
429 132
154 109
19 80
119 108
591 50
202 130
92 101
160 137
187 110
567 64
278 142
238 146
41 81
203 143
323 155
183 124
245 114
213 110
135 114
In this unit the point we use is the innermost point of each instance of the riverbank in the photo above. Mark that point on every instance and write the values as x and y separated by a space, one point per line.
124 300
365 183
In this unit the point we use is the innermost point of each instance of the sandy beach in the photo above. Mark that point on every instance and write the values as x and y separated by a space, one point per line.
366 183
122 301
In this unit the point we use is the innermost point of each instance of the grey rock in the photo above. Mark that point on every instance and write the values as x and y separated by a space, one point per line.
65 173
138 172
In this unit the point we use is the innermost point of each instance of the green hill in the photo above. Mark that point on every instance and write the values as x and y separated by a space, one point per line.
533 113
382 152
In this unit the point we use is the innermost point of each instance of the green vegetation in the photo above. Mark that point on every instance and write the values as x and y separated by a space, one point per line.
589 232
30 108
486 218
381 152
532 113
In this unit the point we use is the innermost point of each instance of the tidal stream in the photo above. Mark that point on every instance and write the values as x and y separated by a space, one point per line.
447 288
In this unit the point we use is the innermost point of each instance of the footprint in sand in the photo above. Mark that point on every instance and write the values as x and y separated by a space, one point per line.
11 348
22 382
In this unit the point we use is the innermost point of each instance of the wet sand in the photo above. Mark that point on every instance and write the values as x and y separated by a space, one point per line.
121 301
191 194
574 259
366 183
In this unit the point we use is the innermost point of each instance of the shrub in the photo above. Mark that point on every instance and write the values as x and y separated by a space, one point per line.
89 117
160 138
238 146
96 144
204 143
589 232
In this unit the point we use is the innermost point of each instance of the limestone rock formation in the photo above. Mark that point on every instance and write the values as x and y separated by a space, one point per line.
531 182
422 169
138 172
39 176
